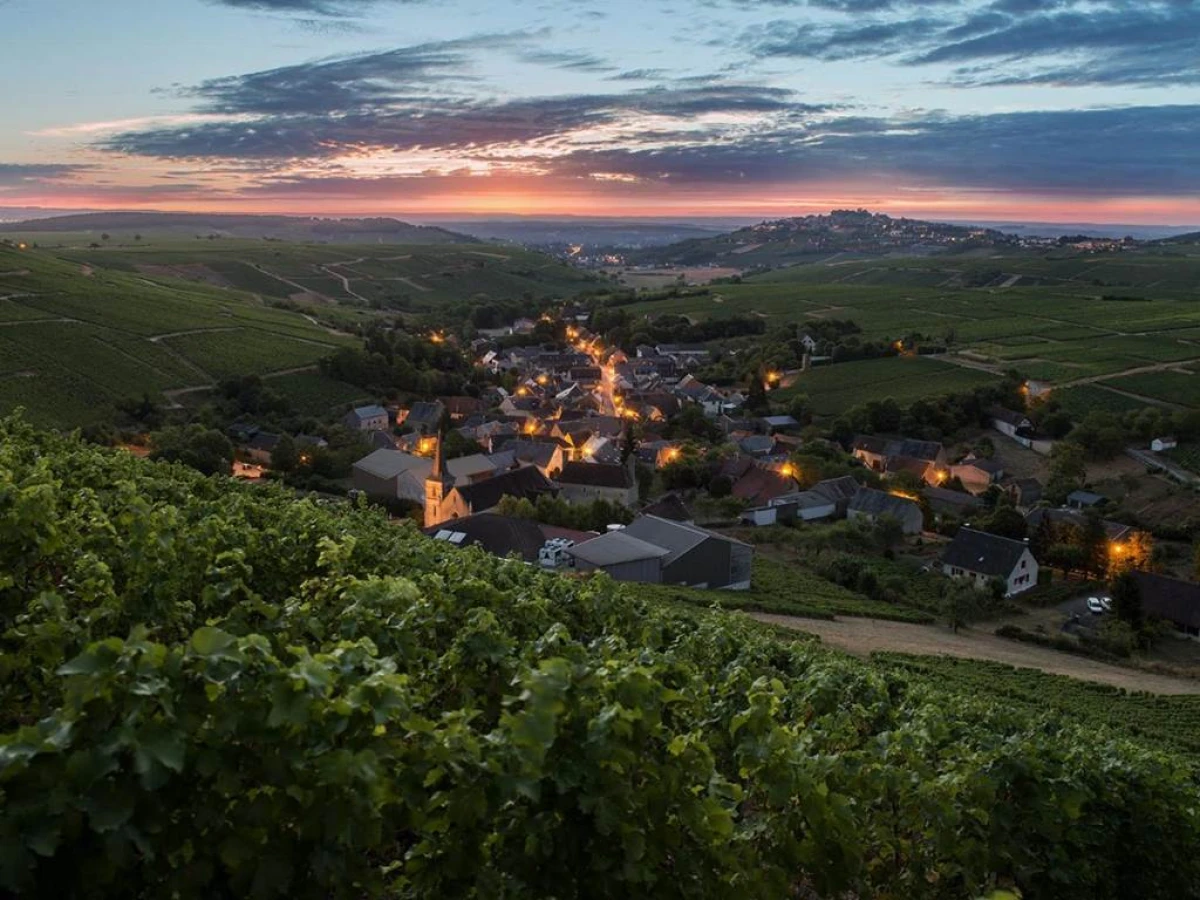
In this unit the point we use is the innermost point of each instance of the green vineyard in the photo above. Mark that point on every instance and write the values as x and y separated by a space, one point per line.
218 690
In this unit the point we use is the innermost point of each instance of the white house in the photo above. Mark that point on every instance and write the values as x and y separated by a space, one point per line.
981 557
1159 444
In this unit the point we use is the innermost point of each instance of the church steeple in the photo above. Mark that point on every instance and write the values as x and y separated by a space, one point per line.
437 486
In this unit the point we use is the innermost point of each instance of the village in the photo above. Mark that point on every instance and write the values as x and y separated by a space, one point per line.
597 459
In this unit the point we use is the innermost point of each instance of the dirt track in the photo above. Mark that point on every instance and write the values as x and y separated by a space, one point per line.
865 636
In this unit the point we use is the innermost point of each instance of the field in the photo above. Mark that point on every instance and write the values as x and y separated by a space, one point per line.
1065 320
1175 387
835 388
74 341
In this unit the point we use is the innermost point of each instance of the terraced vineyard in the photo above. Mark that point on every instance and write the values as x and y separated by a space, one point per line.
835 388
1056 319
418 278
75 342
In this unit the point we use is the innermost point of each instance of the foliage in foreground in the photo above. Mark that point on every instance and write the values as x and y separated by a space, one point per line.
212 690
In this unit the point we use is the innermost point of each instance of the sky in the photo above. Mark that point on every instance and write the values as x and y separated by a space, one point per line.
1031 110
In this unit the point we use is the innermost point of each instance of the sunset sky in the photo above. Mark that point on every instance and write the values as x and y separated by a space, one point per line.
1053 110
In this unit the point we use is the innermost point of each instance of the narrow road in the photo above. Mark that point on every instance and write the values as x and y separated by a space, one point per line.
863 637
59 319
344 279
174 334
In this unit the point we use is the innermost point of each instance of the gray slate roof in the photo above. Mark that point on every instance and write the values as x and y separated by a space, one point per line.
616 547
879 503
979 551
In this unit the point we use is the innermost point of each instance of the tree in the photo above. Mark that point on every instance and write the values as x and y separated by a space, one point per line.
960 603
1006 521
204 449
285 457
1068 469
1127 600
756 395
1094 543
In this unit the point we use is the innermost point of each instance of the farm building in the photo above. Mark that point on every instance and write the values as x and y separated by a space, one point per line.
872 505
1160 444
504 535
981 557
660 551
1010 423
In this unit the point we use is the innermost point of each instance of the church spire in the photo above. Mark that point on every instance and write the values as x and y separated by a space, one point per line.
437 486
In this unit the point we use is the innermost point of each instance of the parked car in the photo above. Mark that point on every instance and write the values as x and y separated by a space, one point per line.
1095 607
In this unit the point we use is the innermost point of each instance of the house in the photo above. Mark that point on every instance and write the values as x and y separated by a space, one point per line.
980 557
584 482
927 459
505 535
1171 600
809 343
1085 500
1009 423
946 502
425 416
391 474
661 551
470 469
977 475
261 446
683 354
761 486
757 445
547 456
460 408
1161 444
873 505
1025 492
458 502
772 424
366 418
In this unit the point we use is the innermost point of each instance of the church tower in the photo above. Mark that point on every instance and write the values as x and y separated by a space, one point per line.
437 486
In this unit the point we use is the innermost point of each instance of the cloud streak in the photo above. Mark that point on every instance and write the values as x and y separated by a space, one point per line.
1046 41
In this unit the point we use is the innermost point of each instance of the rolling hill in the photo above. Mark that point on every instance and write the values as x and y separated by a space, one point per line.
152 225
808 238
